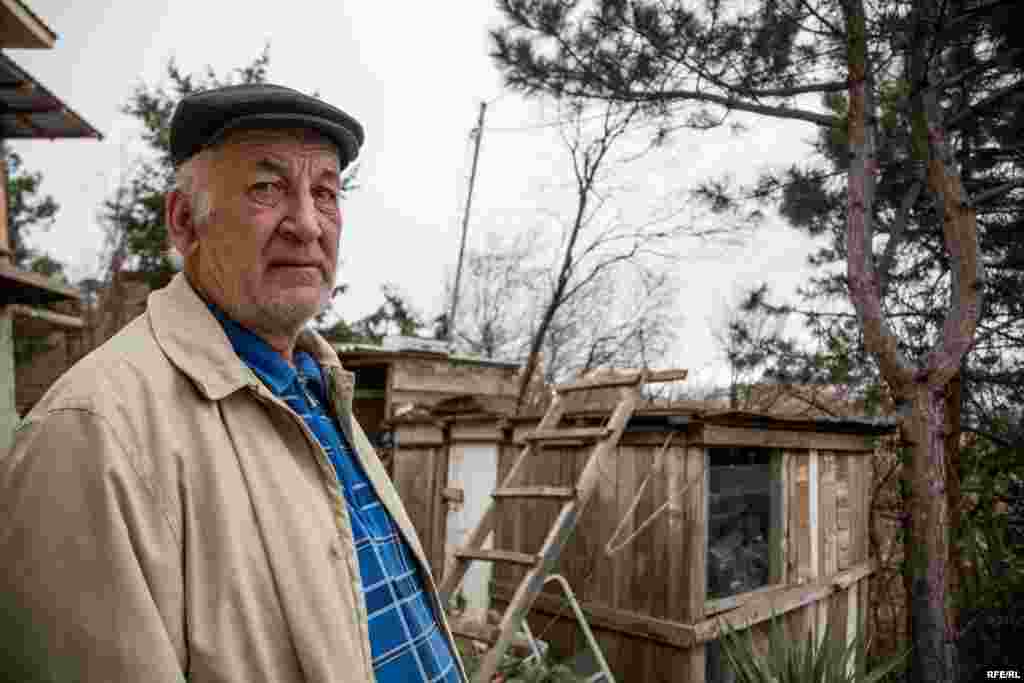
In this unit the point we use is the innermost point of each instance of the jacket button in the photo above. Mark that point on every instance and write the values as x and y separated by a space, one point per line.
334 550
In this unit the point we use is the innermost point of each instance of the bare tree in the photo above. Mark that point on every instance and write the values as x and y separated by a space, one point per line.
620 319
595 239
499 284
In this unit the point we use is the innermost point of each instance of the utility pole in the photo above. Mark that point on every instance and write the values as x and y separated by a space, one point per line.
478 132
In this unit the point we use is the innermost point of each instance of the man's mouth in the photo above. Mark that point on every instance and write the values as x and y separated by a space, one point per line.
298 266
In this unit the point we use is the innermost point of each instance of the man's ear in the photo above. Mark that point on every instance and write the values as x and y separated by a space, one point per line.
180 221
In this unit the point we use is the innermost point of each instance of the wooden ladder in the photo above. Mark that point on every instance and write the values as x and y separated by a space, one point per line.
574 499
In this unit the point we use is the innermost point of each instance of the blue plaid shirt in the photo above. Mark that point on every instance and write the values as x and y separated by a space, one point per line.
406 641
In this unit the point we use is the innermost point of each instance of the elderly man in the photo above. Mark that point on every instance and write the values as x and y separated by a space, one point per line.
194 498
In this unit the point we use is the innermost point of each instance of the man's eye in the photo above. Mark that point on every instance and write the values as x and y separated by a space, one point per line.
326 199
266 192
325 194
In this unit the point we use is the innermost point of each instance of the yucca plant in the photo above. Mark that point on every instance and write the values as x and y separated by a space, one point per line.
795 661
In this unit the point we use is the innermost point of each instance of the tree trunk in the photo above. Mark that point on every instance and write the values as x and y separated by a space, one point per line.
932 656
923 384
954 499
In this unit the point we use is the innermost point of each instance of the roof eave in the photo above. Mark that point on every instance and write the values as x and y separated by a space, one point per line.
22 28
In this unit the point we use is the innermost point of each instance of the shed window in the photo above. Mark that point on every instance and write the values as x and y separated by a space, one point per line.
744 520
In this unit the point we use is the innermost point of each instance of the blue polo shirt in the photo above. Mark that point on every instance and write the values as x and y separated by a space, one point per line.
406 641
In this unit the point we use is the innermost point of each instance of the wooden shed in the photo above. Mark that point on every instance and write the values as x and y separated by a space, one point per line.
756 513
408 372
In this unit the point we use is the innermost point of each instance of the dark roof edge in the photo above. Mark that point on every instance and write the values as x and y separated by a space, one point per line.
91 130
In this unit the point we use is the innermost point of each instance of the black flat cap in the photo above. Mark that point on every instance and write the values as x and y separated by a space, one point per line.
203 118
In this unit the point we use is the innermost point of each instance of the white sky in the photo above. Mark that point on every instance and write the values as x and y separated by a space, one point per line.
414 78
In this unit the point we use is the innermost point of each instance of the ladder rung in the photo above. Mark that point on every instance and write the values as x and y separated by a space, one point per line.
485 633
586 384
623 381
497 556
563 492
565 434
666 376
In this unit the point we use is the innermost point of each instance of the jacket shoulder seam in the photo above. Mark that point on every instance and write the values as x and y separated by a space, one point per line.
153 489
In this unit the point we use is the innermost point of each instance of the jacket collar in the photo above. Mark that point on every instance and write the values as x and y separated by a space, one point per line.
195 342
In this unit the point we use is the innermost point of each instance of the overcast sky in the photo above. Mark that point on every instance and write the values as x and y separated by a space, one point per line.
415 77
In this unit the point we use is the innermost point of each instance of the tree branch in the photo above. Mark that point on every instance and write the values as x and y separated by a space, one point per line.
864 291
985 196
896 236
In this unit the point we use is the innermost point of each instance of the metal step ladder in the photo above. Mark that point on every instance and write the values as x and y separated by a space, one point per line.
541 565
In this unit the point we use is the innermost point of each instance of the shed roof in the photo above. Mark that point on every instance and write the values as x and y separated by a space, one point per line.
25 287
670 417
29 110
371 352
20 27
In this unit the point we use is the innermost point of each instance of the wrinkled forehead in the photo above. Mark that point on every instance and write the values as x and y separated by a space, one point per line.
254 144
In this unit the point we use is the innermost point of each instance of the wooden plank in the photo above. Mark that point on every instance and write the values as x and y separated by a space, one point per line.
578 434
559 492
497 556
61 320
654 376
814 510
506 533
720 435
780 602
659 541
624 567
483 633
438 510
675 470
777 525
860 509
696 531
603 617
852 619
695 591
794 530
451 494
844 534
719 605
643 547
599 383
826 530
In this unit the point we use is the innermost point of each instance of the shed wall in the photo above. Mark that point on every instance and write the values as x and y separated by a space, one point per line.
647 603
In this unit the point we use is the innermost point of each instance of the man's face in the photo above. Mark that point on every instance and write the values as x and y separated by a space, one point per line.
269 249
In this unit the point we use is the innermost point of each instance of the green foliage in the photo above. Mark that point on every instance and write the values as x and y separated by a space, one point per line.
515 669
27 208
790 660
395 316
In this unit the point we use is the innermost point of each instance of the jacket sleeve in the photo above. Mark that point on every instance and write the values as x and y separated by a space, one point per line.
90 569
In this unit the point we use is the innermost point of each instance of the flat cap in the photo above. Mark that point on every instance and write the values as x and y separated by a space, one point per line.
202 119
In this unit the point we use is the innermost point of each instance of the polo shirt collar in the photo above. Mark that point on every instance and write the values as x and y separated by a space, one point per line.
258 354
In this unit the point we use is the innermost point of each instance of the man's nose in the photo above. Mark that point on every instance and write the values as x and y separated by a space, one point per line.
303 220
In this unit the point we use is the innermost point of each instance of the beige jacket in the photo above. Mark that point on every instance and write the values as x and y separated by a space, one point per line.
162 513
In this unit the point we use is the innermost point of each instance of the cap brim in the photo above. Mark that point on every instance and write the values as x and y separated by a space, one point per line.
348 146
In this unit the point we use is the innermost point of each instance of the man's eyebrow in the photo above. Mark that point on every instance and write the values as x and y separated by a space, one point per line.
271 166
330 174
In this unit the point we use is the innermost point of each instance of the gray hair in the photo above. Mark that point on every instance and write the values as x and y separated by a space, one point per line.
187 182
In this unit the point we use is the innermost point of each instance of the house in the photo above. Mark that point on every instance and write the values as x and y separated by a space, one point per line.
27 110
